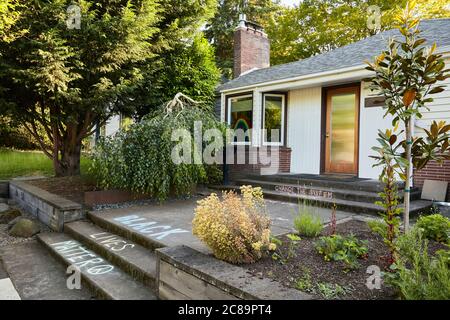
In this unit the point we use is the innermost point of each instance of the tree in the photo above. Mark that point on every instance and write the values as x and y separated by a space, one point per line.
407 75
189 67
318 26
65 80
433 9
8 17
220 29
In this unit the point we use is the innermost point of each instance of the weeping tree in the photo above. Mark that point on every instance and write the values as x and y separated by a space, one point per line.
160 155
408 74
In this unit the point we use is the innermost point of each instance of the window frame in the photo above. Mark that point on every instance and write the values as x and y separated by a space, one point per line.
283 118
240 96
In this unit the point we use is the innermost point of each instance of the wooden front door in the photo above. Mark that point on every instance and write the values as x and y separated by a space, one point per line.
342 130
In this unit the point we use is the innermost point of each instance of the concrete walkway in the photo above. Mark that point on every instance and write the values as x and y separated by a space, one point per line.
170 224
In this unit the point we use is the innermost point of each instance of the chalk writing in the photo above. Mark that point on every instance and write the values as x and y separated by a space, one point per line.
82 258
111 241
303 191
150 228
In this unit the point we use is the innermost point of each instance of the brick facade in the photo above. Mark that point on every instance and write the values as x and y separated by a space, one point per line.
253 163
433 171
251 49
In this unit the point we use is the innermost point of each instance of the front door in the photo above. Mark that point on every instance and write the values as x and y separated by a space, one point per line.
341 143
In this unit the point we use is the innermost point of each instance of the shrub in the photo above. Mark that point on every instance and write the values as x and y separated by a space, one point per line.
420 276
435 227
306 223
141 159
378 227
347 249
236 228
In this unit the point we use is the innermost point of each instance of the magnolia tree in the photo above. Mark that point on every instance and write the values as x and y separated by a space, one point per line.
407 74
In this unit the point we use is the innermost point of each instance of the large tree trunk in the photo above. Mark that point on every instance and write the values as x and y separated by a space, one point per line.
69 155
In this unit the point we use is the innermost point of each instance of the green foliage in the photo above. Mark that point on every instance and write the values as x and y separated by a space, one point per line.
435 227
70 80
347 249
220 29
140 159
330 290
378 227
280 255
318 26
189 67
389 229
305 283
407 74
420 276
306 223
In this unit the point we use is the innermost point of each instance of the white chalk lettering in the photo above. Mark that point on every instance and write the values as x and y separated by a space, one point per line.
149 228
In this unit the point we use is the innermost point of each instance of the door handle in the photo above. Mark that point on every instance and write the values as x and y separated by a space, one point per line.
327 135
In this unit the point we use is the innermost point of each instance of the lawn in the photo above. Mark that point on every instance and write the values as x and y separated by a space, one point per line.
14 163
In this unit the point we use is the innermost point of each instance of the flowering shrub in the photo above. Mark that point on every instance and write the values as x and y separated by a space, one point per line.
236 228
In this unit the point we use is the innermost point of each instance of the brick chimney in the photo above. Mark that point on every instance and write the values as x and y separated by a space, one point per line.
251 47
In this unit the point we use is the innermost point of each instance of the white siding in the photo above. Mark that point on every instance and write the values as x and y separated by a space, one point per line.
371 120
112 126
304 129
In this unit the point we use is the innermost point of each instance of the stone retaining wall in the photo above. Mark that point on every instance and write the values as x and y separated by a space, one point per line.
48 208
184 273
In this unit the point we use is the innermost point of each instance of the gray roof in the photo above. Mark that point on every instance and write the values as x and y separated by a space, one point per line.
355 54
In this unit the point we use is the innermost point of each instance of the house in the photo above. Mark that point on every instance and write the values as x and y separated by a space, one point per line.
327 117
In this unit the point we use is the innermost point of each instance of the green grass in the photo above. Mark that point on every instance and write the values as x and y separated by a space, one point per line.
14 163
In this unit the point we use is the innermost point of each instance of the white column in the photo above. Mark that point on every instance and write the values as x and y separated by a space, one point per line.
257 116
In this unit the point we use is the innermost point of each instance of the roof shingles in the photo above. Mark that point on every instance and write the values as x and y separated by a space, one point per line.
355 54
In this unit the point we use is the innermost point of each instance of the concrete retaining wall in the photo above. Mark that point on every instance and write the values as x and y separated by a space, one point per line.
184 273
49 208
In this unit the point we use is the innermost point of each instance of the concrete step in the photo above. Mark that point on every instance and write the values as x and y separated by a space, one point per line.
115 227
137 261
417 206
105 280
323 182
317 191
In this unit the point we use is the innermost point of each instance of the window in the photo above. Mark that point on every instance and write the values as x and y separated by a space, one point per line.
240 116
273 118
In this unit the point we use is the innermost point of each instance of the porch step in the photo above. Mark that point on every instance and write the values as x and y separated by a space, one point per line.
417 206
137 261
106 281
317 191
355 184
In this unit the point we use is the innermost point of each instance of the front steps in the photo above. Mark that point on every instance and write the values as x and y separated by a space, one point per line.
352 195
112 267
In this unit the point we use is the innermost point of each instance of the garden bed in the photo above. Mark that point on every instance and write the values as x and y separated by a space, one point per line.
308 270
70 188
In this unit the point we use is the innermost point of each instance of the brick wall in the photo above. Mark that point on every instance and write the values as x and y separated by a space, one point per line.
251 50
253 163
433 171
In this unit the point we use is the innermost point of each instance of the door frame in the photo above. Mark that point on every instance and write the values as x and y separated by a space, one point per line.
325 90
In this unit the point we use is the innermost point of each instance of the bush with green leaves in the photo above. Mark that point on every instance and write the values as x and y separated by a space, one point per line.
418 275
347 249
435 227
307 223
140 158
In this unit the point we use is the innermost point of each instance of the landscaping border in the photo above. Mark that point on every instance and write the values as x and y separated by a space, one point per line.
50 209
185 273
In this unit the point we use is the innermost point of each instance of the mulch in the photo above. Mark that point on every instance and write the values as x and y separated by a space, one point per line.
71 188
308 260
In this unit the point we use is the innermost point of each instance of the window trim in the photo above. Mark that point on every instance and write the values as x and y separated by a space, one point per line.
283 119
228 115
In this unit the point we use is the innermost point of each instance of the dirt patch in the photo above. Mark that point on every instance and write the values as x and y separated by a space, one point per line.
319 277
71 188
